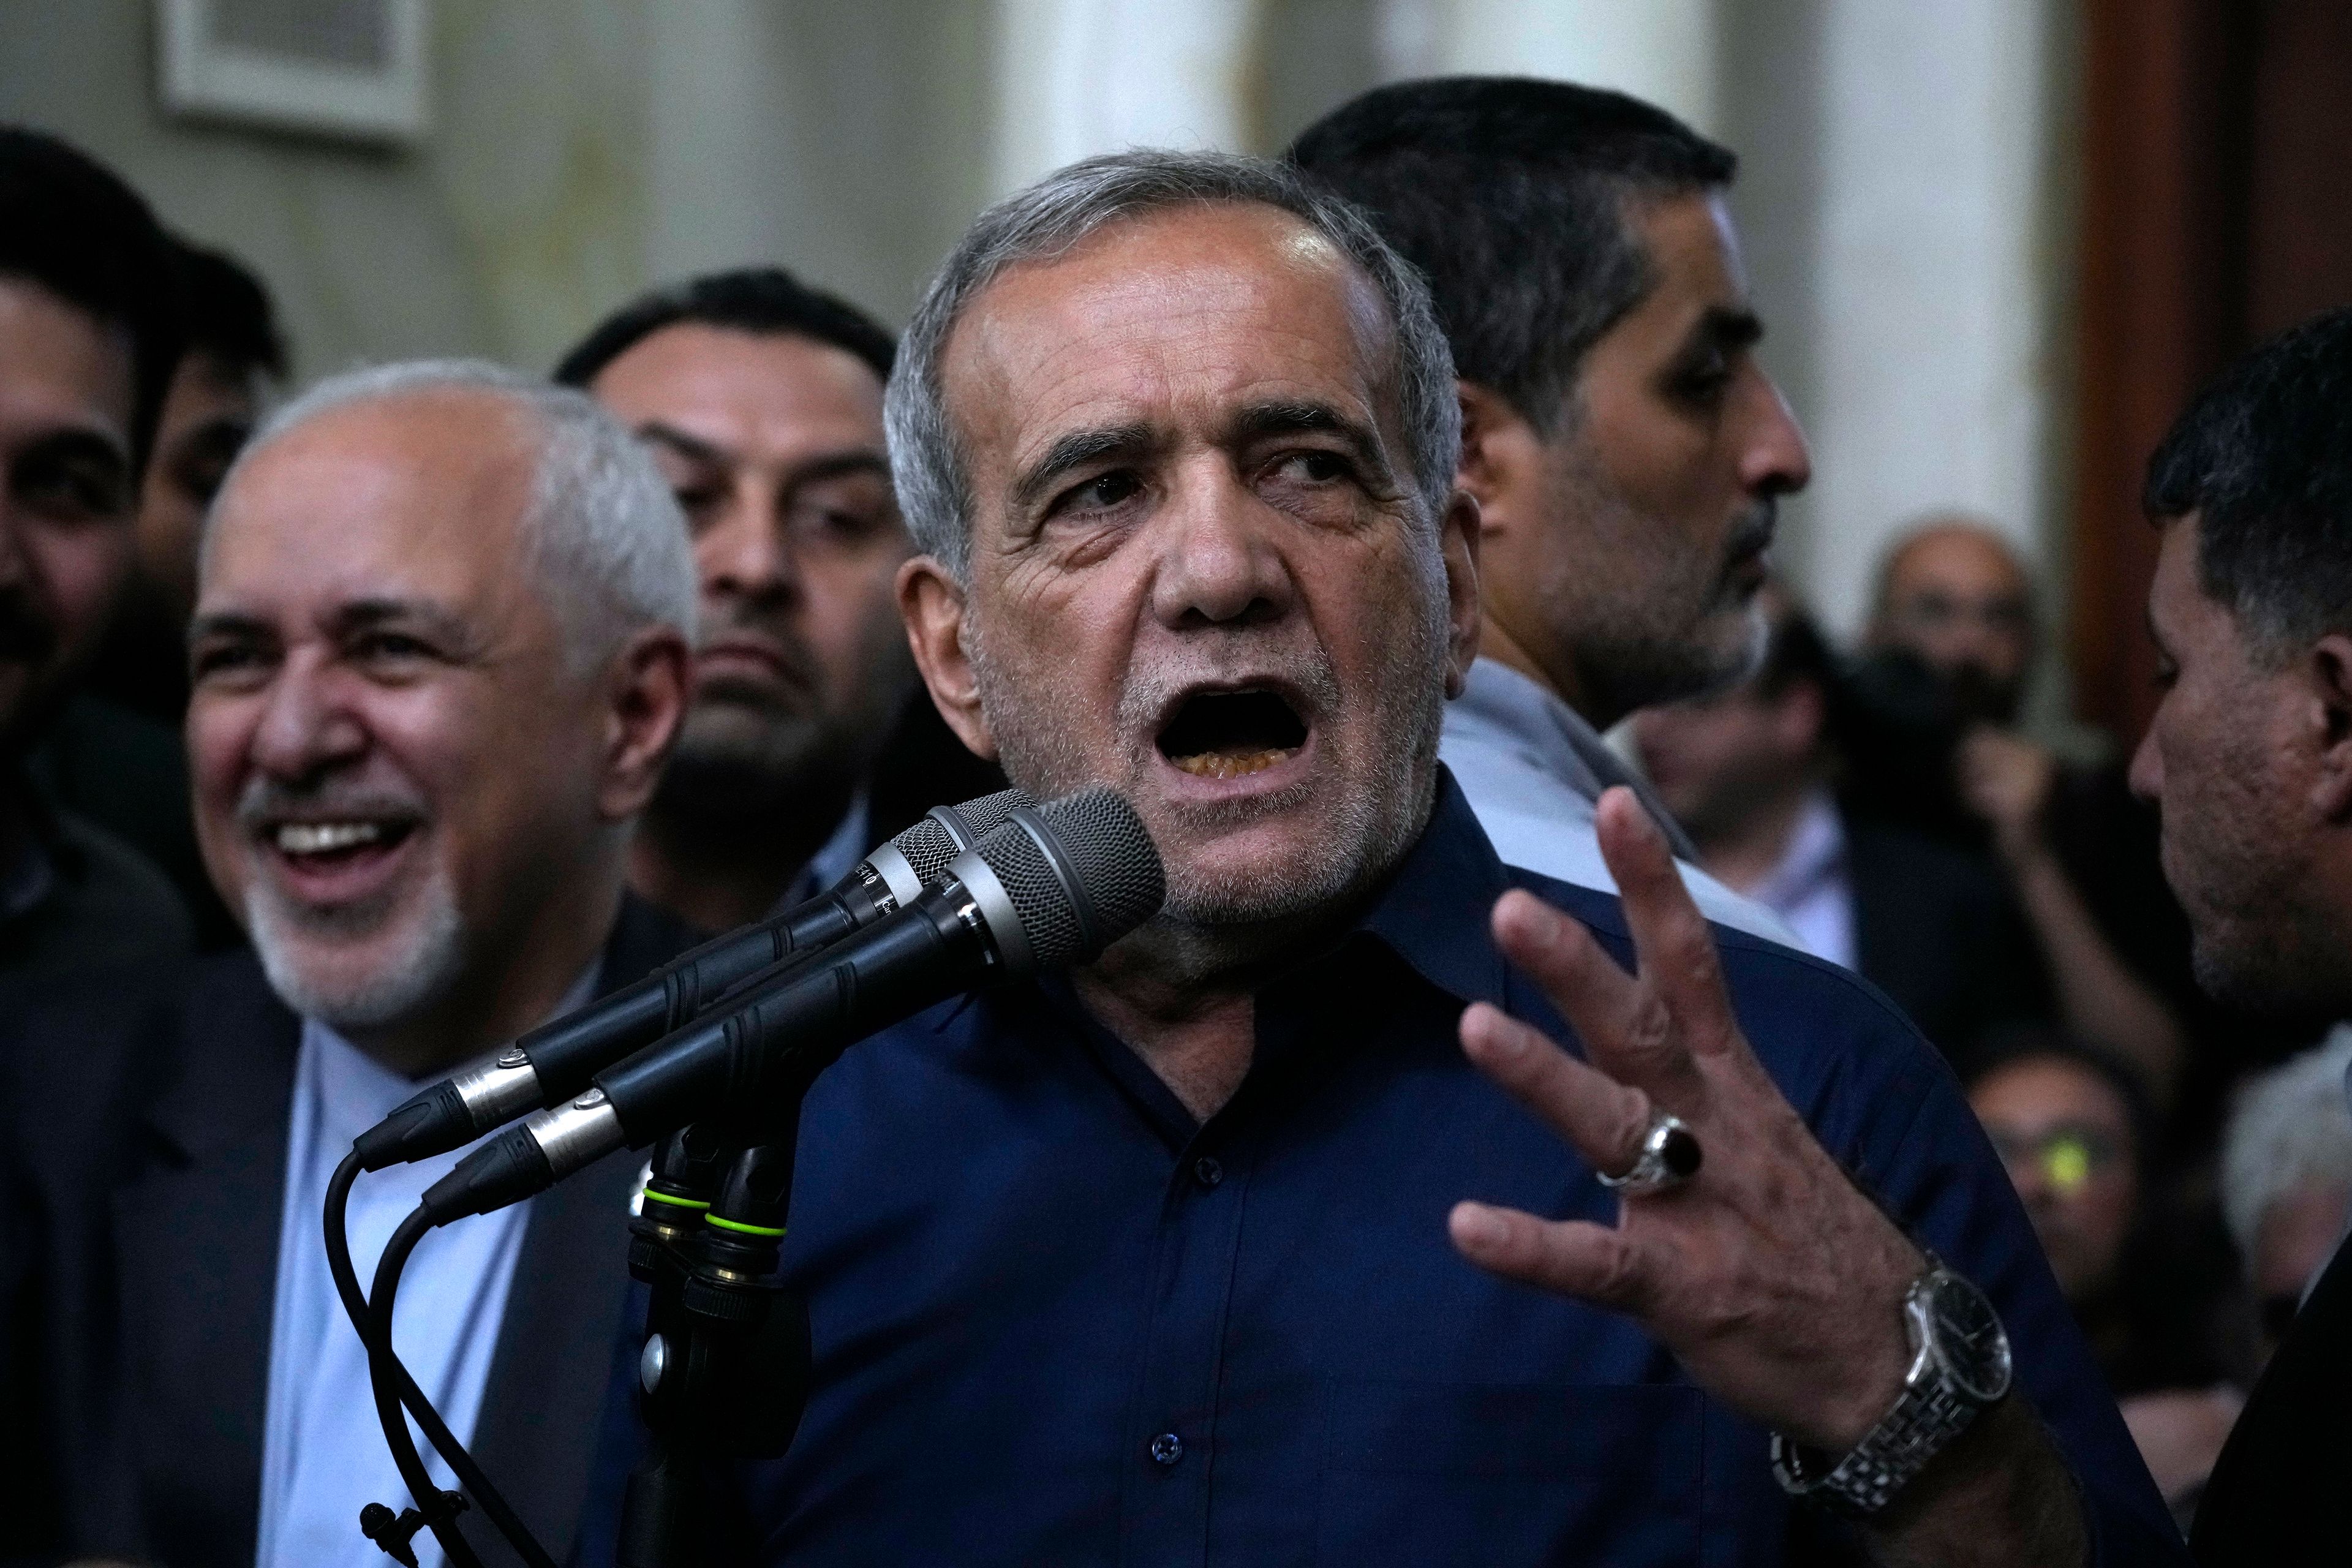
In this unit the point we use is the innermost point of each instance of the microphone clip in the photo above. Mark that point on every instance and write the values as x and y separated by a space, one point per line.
394 1535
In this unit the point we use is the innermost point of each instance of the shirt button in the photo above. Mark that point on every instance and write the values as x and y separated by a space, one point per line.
1207 1172
1167 1449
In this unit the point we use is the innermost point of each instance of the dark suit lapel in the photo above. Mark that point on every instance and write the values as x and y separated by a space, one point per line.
543 1410
196 1237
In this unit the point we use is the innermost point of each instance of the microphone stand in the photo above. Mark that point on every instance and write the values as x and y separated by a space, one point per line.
725 1369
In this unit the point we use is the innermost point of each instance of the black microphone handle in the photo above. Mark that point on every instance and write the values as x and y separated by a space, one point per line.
764 1049
923 954
557 1059
567 1056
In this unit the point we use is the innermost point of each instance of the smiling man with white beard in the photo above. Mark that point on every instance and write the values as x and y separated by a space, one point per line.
1225 1247
439 656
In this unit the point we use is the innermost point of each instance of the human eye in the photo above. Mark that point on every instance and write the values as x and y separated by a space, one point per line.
70 486
1103 493
225 661
1700 379
1315 466
390 651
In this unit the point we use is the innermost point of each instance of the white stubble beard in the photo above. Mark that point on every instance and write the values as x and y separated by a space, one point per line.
428 967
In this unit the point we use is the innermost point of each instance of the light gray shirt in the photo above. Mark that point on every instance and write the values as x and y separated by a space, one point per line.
1533 771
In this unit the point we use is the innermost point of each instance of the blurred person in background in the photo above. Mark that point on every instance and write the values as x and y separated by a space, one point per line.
2248 759
1626 449
2076 851
440 653
2286 1178
2149 1283
88 341
1751 774
761 400
236 360
114 755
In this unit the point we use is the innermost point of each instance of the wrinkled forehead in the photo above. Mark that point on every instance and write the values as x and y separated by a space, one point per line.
418 496
1170 320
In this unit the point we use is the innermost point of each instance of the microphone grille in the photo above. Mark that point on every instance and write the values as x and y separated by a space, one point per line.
929 844
1081 872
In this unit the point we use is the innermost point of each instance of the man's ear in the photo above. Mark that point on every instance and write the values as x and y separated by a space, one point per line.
646 692
933 605
1500 453
2330 664
1457 543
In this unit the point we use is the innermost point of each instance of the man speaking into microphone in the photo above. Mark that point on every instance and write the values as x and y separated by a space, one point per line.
1286 1230
440 654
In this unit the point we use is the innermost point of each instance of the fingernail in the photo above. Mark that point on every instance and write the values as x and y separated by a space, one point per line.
1475 1224
1492 1033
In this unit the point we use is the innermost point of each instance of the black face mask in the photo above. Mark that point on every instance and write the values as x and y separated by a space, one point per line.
1897 724
1977 697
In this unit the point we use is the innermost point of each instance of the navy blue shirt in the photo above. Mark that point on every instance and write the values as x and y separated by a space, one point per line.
1059 1321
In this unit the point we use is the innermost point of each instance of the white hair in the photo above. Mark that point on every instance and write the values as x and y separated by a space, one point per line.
1052 218
2291 1128
601 531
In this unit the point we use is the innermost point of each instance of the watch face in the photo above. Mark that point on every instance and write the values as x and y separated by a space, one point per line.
1968 1338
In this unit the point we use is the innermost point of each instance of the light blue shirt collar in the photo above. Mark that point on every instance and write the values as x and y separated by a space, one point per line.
323 1456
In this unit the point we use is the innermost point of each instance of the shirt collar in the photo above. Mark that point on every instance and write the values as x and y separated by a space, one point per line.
1557 739
1432 912
847 846
356 1092
1555 736
1435 909
833 861
1815 853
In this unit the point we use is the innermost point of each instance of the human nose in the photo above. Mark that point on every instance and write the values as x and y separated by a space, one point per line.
1216 565
1776 460
307 725
747 551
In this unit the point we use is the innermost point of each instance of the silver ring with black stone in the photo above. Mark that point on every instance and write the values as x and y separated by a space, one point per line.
1669 1157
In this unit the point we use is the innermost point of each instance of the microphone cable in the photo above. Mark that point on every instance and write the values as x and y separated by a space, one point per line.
394 1387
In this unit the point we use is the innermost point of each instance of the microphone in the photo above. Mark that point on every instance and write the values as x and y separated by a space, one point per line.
556 1061
1053 886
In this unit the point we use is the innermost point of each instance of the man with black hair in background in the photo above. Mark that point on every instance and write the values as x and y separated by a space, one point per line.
114 755
88 341
1626 449
2248 759
760 399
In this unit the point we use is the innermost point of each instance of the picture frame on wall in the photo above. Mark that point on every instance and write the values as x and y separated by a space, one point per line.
350 70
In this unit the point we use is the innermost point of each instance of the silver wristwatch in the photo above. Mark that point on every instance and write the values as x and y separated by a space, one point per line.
1959 1364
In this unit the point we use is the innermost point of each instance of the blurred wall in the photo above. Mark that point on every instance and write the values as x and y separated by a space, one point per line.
1906 194
526 208
581 150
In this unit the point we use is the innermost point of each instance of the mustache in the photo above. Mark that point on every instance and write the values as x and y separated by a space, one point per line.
27 635
265 801
1305 675
791 650
1753 534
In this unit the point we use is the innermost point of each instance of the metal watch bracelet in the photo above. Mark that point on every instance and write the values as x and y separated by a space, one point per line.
1938 1401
